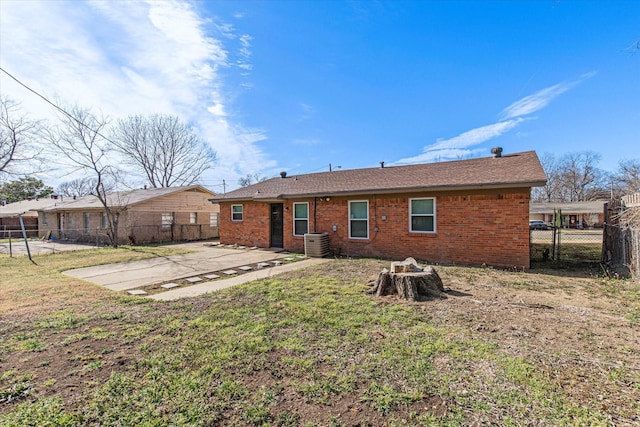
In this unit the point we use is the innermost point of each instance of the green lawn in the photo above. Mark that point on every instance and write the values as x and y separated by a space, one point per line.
311 348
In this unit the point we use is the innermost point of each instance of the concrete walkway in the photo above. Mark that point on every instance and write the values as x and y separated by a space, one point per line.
216 285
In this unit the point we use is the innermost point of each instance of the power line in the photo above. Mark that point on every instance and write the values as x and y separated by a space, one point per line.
62 110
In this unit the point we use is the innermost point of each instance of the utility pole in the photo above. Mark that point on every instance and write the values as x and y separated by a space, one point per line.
224 187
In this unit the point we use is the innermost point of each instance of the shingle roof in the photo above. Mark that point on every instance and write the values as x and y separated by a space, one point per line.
26 207
509 171
590 207
120 199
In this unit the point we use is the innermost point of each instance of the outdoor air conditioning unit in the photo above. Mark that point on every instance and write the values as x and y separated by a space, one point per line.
316 245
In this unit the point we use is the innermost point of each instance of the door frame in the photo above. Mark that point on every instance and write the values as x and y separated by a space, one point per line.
276 229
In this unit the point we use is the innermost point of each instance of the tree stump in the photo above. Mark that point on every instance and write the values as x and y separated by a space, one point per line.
408 281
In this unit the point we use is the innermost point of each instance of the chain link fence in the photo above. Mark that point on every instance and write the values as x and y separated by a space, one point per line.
562 244
15 232
139 234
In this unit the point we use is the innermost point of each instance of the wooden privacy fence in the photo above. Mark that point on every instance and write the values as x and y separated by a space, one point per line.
621 242
621 250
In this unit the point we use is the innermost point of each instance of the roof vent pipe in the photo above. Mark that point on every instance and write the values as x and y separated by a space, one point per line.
283 174
381 164
496 151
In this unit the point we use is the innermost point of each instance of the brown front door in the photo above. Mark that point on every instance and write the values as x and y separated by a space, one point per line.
277 225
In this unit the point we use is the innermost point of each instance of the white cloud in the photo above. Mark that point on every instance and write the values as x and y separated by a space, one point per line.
457 147
476 136
307 112
437 155
537 101
306 141
510 117
131 58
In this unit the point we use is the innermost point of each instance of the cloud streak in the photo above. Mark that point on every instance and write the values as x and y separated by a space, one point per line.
458 147
134 58
537 101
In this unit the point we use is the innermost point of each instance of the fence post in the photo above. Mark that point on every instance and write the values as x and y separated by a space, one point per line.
559 244
637 247
624 247
24 235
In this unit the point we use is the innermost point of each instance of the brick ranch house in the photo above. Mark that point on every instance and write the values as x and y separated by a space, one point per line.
468 211
145 216
574 214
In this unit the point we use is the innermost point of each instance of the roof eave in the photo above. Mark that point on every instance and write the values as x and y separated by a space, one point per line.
279 198
405 190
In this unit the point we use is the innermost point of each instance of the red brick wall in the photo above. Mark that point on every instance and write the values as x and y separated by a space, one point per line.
253 230
472 227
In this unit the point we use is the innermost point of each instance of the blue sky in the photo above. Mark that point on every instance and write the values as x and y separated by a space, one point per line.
298 85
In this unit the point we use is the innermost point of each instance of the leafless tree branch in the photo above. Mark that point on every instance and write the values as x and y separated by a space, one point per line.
17 142
166 150
79 138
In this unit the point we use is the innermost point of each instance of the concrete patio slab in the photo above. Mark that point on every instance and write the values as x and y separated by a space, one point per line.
207 259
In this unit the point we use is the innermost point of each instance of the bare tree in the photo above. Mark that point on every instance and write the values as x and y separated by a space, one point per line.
574 177
167 150
16 137
77 187
249 179
79 138
628 175
550 192
580 176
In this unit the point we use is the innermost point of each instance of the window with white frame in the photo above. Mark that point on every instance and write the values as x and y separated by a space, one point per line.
167 220
213 219
300 219
236 212
422 215
85 222
193 218
359 219
104 221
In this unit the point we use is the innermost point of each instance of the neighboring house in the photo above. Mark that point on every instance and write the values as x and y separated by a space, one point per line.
145 216
468 211
28 209
574 214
